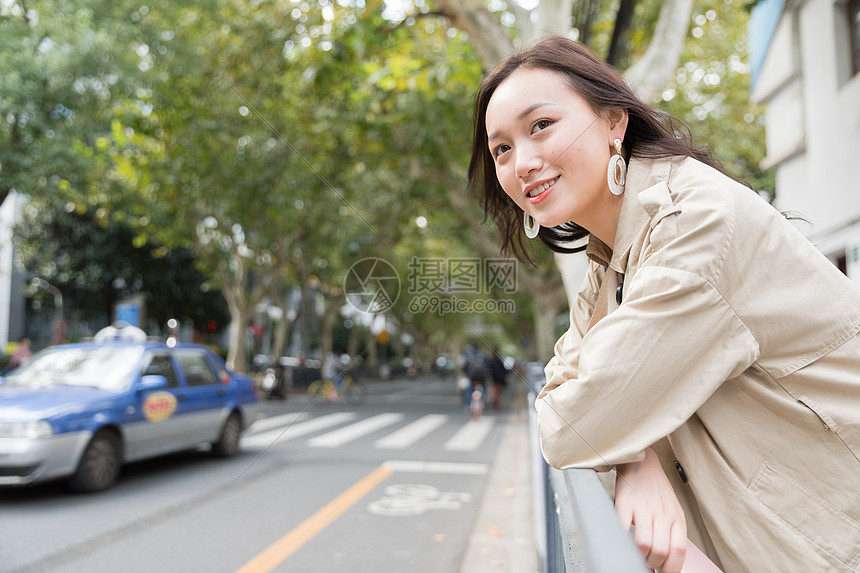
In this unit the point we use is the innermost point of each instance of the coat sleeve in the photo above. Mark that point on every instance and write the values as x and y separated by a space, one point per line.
641 371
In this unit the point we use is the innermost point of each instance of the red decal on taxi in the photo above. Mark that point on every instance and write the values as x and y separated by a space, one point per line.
159 406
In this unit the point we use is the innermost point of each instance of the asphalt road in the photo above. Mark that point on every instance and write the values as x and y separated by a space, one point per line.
387 486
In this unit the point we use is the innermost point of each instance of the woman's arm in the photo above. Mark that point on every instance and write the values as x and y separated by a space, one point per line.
644 498
643 370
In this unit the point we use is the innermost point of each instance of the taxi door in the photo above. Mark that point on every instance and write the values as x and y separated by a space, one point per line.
158 427
205 395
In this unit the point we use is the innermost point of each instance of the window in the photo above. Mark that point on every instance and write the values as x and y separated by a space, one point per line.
195 367
161 365
841 262
854 26
847 37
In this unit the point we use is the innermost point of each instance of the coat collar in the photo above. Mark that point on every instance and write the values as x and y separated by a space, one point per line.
642 174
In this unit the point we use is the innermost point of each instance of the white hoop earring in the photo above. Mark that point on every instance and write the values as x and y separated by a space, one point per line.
530 225
616 171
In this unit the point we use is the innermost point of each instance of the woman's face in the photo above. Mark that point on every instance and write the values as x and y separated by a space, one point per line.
551 150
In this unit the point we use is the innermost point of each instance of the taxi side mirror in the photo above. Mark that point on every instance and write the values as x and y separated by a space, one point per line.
152 381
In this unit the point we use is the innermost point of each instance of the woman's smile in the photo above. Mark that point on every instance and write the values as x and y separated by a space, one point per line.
537 192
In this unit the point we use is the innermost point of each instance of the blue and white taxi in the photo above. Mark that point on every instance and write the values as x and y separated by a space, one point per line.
82 410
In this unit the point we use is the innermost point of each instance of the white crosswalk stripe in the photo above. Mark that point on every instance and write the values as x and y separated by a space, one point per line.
273 422
408 435
277 429
278 435
470 437
354 431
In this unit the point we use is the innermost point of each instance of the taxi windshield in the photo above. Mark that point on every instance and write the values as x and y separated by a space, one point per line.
105 367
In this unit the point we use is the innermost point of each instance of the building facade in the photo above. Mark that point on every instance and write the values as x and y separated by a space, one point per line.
805 59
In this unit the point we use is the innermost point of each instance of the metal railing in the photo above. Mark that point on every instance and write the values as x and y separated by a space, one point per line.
577 528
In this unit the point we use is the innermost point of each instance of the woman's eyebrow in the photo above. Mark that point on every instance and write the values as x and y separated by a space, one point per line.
530 109
522 115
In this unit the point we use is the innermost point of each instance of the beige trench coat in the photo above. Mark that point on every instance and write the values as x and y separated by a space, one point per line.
737 340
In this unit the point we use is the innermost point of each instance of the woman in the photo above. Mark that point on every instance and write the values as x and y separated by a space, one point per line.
713 356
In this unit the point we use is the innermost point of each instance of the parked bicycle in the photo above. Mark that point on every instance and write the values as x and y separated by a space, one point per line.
350 390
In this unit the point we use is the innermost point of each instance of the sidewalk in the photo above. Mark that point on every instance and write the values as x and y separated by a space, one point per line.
502 539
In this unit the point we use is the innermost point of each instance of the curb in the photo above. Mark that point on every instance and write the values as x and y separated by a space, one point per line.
502 538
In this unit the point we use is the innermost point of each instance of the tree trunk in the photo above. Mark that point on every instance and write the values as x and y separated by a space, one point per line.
659 64
546 307
623 19
352 341
282 328
589 12
237 353
486 33
399 348
572 267
234 285
371 349
332 308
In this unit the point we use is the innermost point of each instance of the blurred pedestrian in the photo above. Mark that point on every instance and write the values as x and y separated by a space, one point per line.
498 374
22 354
475 369
713 355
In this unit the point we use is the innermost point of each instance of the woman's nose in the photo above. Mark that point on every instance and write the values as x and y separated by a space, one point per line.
528 161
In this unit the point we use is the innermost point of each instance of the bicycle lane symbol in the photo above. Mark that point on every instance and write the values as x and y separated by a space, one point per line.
403 500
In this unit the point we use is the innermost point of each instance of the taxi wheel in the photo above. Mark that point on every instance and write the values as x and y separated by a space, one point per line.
228 444
99 466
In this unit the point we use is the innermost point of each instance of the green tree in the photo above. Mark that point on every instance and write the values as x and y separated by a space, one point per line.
63 68
710 92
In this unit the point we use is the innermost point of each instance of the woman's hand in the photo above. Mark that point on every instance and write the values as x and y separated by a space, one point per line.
645 499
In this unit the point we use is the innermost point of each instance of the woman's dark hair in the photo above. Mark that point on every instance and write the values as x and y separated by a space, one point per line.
650 133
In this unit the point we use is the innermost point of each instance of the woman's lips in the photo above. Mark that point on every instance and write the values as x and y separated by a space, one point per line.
543 195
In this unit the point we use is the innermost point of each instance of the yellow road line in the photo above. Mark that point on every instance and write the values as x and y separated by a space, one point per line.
277 552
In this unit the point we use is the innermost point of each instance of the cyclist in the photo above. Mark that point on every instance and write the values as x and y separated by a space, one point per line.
333 368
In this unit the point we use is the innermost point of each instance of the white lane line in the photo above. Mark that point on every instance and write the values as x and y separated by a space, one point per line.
436 467
421 390
419 387
274 422
425 399
470 436
354 431
276 436
408 435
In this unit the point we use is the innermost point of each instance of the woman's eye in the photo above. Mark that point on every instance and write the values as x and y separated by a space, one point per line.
500 149
541 124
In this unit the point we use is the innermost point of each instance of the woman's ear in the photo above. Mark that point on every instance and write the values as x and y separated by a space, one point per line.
617 118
